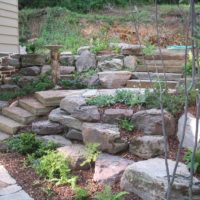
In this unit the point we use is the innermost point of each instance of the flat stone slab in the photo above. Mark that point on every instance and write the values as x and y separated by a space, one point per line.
109 169
3 136
9 189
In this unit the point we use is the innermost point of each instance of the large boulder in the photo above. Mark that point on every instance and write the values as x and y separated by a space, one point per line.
109 169
72 103
66 70
24 80
150 121
115 115
67 60
87 113
111 65
114 79
147 146
130 63
190 131
32 60
148 179
85 61
46 127
58 115
74 134
107 135
75 154
30 71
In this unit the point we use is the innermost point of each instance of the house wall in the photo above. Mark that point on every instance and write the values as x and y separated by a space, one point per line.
9 36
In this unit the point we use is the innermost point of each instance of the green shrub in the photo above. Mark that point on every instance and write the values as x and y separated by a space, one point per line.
72 84
127 124
91 153
101 101
81 194
55 168
188 159
108 195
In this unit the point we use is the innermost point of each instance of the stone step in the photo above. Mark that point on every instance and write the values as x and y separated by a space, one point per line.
18 114
179 63
51 97
3 136
149 84
154 76
8 125
34 106
159 69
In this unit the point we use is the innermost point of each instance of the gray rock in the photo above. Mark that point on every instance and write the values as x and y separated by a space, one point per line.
112 79
147 146
82 49
190 131
66 70
109 169
67 60
4 136
150 121
107 135
9 61
103 58
8 87
3 104
148 179
24 80
58 139
47 127
111 65
32 60
66 120
85 61
75 154
72 103
30 71
130 63
87 114
46 69
74 134
115 115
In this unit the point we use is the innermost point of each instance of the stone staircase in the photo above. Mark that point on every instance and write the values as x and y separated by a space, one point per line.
167 68
28 109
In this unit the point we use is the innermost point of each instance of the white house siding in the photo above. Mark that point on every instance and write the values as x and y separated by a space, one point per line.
9 35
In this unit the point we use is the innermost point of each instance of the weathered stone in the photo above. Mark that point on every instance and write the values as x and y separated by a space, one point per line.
111 65
30 71
90 81
71 103
9 61
107 135
75 154
66 120
130 63
66 70
3 104
58 139
24 80
46 69
3 136
147 146
8 87
148 179
114 115
103 58
112 79
32 60
109 169
87 113
46 127
67 60
82 49
150 121
74 134
190 131
85 61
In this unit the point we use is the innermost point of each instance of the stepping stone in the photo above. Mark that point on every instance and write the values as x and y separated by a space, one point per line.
18 114
3 136
154 76
51 97
8 125
150 84
106 135
159 69
109 169
34 106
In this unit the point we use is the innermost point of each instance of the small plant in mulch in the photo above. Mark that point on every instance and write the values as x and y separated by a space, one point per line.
80 193
107 194
126 124
188 159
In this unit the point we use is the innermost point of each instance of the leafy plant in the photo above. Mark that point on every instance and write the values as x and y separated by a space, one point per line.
101 101
55 167
188 159
72 84
91 153
108 195
149 49
81 194
99 45
127 124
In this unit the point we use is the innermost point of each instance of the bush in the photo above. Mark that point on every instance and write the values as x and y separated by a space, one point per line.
127 124
55 167
81 194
